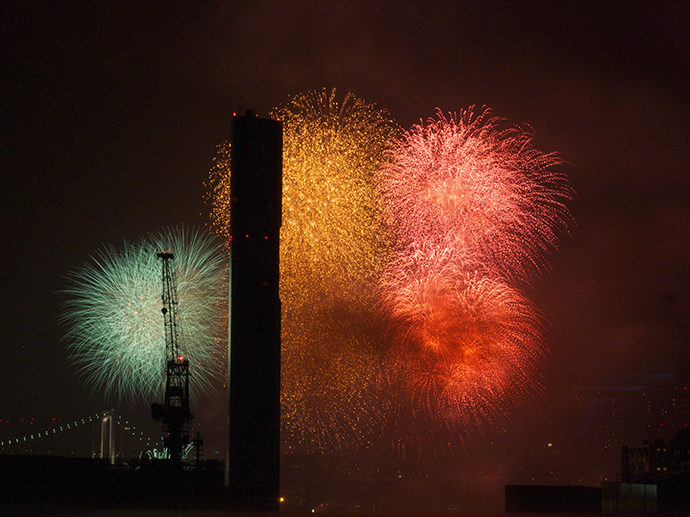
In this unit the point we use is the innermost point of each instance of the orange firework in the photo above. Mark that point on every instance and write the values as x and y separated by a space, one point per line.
466 344
331 257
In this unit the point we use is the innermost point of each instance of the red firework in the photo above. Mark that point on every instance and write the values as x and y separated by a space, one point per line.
475 210
472 185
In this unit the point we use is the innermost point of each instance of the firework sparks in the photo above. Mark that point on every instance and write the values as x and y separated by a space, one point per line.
331 227
469 184
218 195
114 323
464 214
464 341
331 252
475 211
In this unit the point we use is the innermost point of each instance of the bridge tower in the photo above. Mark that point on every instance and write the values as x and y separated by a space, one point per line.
107 430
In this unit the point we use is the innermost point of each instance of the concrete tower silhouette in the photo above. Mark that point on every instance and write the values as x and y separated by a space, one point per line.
253 467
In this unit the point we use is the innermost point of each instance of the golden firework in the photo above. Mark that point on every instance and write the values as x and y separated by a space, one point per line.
332 250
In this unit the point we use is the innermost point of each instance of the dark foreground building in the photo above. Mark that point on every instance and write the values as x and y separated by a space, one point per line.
656 477
661 459
55 483
253 467
552 499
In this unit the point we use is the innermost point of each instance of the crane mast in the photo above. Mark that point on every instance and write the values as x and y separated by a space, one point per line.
174 412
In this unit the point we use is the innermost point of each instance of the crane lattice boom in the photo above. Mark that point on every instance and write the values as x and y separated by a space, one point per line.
175 412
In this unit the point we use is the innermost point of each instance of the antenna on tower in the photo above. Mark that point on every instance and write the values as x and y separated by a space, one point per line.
174 412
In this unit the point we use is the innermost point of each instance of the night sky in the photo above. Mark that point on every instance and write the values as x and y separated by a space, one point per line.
111 114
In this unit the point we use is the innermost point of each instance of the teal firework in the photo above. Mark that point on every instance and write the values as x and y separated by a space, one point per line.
113 320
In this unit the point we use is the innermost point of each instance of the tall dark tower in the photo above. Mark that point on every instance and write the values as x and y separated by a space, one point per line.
253 467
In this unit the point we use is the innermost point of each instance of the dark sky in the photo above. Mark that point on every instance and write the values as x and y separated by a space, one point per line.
111 112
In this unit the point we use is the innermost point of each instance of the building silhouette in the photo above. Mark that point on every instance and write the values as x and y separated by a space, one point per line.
253 466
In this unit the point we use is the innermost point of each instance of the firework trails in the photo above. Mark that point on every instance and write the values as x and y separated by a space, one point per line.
331 257
473 210
114 321
438 231
470 185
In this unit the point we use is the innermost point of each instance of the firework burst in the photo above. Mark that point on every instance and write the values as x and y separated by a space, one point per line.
114 323
331 253
463 216
470 184
464 341
474 211
332 235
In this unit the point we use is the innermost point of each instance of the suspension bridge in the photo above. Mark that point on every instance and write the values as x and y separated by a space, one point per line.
104 435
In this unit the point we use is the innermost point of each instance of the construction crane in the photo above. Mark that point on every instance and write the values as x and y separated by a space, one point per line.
174 412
